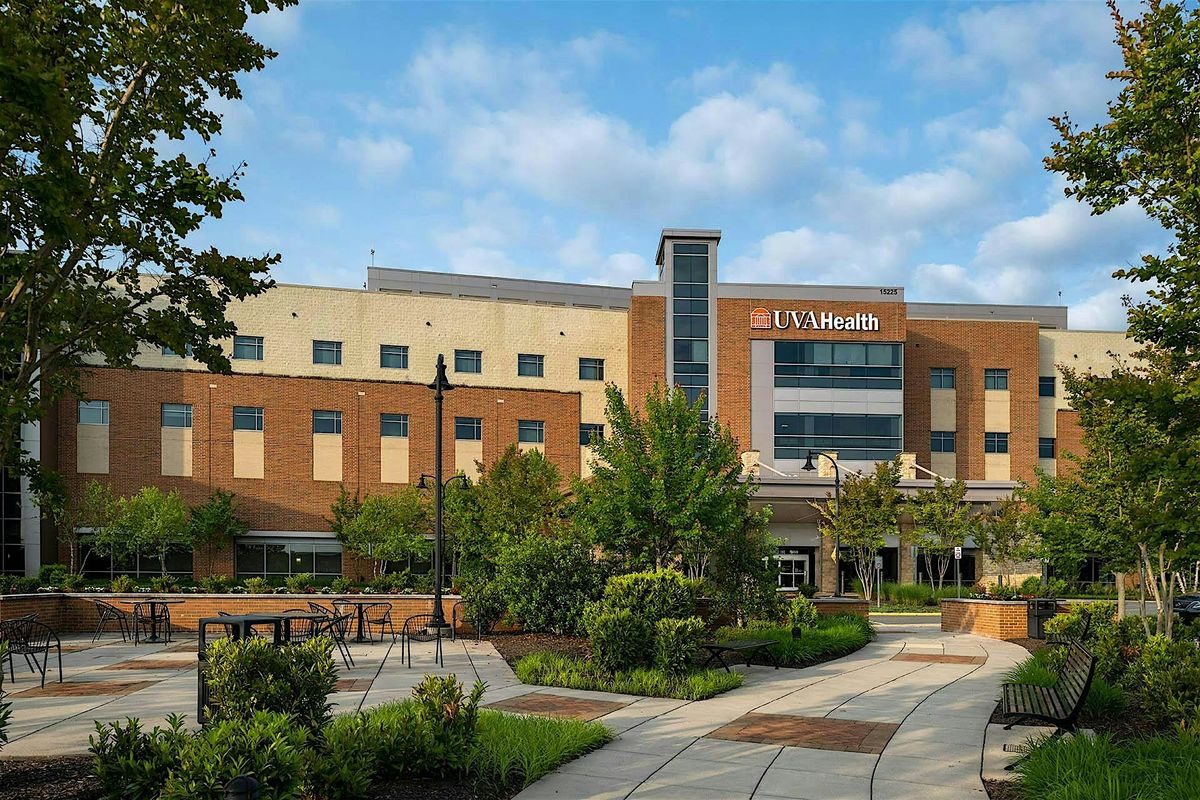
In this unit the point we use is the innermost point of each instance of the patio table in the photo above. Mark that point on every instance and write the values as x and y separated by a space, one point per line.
361 604
154 603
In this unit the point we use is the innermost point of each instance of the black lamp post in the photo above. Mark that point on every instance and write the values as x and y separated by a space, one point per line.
440 386
809 466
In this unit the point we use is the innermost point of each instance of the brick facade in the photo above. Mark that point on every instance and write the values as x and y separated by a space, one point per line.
647 346
997 619
971 347
1069 439
287 498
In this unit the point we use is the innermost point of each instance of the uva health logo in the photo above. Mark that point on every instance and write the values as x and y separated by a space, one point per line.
763 320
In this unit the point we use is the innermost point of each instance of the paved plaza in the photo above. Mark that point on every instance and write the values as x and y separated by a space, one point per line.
905 717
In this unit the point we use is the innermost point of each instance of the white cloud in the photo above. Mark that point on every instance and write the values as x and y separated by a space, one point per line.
805 255
377 158
1102 311
276 27
322 215
918 201
581 253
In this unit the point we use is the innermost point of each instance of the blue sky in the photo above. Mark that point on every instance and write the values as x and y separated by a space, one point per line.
854 143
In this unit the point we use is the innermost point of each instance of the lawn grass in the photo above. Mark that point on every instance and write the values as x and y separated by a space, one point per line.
515 751
833 637
553 669
1104 701
1087 768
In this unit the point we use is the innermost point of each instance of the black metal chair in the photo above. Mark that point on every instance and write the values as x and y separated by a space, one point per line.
107 613
317 608
28 638
416 629
379 615
301 630
336 628
143 618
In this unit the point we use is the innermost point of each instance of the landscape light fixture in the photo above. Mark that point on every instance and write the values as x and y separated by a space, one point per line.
243 787
809 466
440 386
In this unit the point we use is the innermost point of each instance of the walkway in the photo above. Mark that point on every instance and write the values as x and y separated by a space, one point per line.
892 721
904 717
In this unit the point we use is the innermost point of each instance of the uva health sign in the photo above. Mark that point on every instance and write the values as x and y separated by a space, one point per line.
762 319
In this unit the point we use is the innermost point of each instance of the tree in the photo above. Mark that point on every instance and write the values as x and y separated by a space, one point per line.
520 494
150 522
343 511
941 521
666 487
389 527
869 510
96 213
215 524
1004 536
1145 152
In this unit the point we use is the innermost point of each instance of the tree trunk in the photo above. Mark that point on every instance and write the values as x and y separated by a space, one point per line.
1120 578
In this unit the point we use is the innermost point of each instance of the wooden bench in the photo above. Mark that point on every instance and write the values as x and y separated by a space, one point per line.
1059 704
717 650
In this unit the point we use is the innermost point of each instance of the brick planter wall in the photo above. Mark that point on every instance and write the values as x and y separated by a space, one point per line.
998 619
75 613
842 605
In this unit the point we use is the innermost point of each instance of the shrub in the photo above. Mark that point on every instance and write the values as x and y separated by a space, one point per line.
553 669
514 751
1096 768
913 595
1032 585
620 639
547 581
250 675
267 745
484 602
833 637
342 766
802 613
1166 677
52 574
123 584
1104 701
397 737
299 583
257 585
164 583
676 642
662 594
215 584
5 706
392 581
340 585
450 719
132 764
1096 618
1116 647
72 582
808 590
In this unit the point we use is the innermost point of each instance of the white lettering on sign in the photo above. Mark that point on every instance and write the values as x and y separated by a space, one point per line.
762 319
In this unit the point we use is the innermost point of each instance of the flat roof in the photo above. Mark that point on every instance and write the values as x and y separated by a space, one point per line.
483 287
684 233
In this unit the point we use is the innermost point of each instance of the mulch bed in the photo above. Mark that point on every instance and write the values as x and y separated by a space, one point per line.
1003 790
71 778
514 646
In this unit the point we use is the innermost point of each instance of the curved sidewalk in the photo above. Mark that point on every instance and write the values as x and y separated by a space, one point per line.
905 717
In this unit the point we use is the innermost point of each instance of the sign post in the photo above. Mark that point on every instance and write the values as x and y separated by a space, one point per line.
878 580
958 569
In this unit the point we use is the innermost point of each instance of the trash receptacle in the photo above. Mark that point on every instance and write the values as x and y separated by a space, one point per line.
1040 610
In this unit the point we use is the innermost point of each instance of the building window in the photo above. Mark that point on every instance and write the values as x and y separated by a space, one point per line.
247 418
995 379
531 431
249 348
468 429
587 429
176 415
12 550
530 365
854 437
327 422
93 412
139 565
468 361
591 369
838 365
393 424
327 352
690 320
995 443
941 378
281 558
1045 447
166 351
1046 386
393 356
942 442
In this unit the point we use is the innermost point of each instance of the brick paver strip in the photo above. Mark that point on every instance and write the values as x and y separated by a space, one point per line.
553 705
86 689
939 658
353 685
821 733
152 663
